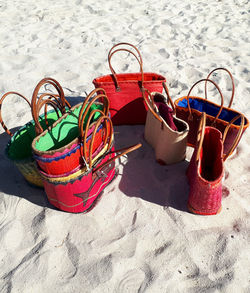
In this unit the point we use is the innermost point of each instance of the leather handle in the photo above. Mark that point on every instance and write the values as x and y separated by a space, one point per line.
34 102
238 136
231 77
169 98
84 133
109 135
56 98
1 102
200 135
56 104
47 102
87 104
112 52
151 105
190 117
149 100
121 152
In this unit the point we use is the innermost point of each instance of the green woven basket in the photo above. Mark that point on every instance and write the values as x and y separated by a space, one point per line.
19 148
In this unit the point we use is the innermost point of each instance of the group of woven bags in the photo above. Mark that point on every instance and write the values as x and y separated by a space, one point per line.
70 150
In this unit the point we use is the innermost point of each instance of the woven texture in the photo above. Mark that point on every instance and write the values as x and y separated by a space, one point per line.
183 113
124 89
77 192
19 150
59 150
127 105
205 176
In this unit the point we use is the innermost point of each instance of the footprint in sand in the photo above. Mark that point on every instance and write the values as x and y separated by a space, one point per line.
131 282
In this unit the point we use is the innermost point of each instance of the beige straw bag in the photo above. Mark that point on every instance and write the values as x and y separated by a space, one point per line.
170 145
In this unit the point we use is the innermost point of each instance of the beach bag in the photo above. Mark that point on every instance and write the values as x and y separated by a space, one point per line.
124 89
79 191
19 149
58 150
190 108
163 131
206 168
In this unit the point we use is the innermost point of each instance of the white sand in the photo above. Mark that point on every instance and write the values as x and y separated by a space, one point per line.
140 237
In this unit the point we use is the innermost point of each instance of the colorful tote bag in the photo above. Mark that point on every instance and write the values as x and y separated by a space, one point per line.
58 150
163 131
190 108
206 168
124 89
19 149
79 191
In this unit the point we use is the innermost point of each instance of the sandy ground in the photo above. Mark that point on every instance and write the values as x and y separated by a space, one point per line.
140 237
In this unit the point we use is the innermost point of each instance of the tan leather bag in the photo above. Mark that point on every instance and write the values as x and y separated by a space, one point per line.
169 145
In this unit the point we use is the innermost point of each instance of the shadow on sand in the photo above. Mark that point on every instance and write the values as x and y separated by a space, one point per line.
142 176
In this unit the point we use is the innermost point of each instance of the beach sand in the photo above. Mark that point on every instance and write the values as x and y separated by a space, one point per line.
140 237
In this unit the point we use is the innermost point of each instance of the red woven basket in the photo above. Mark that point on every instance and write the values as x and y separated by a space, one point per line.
124 90
206 168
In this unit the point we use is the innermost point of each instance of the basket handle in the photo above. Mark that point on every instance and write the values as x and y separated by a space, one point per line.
200 135
56 97
149 100
238 136
111 53
1 102
231 77
56 104
46 103
190 117
85 134
151 103
87 104
121 152
34 103
169 98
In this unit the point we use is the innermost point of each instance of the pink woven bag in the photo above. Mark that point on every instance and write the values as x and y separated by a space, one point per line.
79 191
206 168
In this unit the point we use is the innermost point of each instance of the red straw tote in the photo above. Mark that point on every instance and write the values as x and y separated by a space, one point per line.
124 89
206 168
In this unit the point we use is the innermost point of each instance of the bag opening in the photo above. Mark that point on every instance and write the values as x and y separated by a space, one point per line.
210 109
65 131
20 144
211 163
130 77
